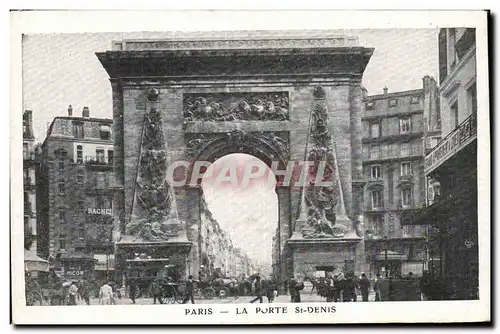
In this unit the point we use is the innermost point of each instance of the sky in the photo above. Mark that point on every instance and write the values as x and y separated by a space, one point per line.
62 69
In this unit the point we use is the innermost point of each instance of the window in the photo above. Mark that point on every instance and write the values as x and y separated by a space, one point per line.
375 172
110 157
100 180
81 206
393 103
26 153
376 196
369 105
377 225
415 99
61 163
374 152
99 155
405 149
80 177
62 188
406 169
406 197
390 185
78 130
454 114
81 233
62 216
62 242
105 132
393 150
79 154
404 125
472 99
375 130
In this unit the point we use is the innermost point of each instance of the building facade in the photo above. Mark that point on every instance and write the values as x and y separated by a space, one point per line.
394 127
30 166
218 255
75 195
451 170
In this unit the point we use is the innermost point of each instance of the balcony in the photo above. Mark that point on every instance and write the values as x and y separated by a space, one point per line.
93 161
453 143
408 178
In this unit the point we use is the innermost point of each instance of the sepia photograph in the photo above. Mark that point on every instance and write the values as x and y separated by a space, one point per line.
252 175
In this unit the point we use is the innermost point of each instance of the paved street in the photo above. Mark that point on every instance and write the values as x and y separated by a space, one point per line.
306 297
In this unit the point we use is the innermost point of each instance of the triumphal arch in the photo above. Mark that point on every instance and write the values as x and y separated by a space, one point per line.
279 97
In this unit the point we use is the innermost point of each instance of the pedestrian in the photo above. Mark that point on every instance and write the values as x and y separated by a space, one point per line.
295 288
156 292
133 291
83 291
376 288
106 294
330 295
426 286
364 285
350 289
258 290
189 290
271 291
72 291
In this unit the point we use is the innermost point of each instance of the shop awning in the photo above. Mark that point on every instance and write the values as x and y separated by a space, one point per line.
104 262
391 256
33 262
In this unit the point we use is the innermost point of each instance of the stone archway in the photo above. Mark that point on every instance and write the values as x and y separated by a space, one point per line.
269 147
289 99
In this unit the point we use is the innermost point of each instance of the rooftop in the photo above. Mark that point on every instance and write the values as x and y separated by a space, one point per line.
257 39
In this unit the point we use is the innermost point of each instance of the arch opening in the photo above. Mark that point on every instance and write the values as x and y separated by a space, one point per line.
240 205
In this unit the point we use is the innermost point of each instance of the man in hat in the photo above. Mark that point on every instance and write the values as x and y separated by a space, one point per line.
258 290
72 291
189 290
364 286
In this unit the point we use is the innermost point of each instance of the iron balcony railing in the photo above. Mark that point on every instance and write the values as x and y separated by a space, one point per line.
452 143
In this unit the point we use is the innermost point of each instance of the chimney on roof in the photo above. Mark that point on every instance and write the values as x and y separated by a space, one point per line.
386 90
86 112
70 111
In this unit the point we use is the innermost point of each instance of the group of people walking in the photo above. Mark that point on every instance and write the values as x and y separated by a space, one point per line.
81 291
340 288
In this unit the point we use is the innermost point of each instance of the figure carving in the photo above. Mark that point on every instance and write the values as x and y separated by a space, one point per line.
321 199
222 107
153 132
